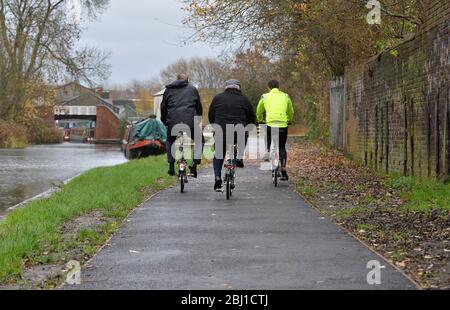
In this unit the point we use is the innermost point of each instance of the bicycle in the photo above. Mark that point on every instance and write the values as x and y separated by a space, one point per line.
182 164
230 172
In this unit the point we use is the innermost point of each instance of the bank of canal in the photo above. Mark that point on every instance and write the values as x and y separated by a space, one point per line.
36 242
25 173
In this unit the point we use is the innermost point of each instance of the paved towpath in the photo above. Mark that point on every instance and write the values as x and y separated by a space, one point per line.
265 238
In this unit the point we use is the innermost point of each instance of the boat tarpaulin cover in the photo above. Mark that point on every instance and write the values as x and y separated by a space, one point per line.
150 129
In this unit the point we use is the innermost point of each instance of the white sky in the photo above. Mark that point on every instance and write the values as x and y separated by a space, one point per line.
144 36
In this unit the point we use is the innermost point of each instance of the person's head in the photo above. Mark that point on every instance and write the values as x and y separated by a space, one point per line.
183 77
273 84
233 84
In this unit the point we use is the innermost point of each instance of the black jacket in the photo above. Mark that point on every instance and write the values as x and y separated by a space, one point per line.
231 107
181 103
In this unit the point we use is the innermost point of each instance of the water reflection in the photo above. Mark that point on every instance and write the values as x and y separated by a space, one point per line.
28 172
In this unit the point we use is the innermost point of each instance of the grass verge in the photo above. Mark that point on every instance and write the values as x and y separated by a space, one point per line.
421 194
76 221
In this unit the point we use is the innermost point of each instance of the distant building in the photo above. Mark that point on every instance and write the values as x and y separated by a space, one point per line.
157 100
71 90
127 108
77 104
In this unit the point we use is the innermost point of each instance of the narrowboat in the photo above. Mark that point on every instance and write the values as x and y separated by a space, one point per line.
145 138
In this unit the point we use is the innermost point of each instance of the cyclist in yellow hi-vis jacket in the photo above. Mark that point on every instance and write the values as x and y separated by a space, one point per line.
277 110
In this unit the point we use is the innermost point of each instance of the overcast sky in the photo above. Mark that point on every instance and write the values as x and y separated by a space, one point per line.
143 38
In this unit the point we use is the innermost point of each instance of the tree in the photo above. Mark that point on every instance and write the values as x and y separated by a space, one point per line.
206 73
333 31
38 41
253 70
307 41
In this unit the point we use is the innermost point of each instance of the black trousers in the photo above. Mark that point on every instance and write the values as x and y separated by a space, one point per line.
281 140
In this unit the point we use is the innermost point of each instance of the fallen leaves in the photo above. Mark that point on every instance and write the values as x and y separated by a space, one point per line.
416 242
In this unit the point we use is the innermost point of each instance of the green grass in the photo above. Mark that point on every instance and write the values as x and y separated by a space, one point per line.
306 190
29 234
422 194
366 227
349 212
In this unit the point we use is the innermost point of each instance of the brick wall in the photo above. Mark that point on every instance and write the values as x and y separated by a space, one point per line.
107 125
397 104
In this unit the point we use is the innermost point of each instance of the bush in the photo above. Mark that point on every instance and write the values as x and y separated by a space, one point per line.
40 133
317 127
12 135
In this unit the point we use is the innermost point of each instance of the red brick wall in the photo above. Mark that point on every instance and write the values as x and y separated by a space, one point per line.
108 125
397 104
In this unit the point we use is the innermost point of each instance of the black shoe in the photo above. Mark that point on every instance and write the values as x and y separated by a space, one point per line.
193 170
218 185
284 176
172 170
240 163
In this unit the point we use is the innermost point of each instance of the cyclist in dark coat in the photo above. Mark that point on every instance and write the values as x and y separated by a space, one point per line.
229 108
180 105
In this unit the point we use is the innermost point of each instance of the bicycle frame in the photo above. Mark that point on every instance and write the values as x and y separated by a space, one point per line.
275 162
182 164
230 172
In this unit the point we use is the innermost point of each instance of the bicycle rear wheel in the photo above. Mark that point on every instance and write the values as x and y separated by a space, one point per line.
229 186
275 175
182 186
182 182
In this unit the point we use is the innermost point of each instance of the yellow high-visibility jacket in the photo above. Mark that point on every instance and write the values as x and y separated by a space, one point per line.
277 107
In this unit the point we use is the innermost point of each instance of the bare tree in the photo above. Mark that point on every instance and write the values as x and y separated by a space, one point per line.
207 73
38 44
135 89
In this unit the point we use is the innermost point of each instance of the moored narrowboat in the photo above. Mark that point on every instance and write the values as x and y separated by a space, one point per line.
145 138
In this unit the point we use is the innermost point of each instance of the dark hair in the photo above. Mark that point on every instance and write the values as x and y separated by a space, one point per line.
274 84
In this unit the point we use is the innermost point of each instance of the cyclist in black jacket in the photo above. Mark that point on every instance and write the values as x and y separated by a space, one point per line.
229 108
181 104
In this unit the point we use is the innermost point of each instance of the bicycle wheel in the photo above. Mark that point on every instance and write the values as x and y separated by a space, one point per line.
229 188
275 176
182 182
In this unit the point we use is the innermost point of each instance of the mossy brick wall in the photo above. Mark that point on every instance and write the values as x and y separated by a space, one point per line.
397 104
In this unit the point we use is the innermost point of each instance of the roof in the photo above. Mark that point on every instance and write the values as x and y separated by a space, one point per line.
90 99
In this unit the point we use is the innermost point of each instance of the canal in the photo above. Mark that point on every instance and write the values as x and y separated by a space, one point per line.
25 173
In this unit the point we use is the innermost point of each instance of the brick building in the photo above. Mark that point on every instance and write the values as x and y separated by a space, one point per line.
76 102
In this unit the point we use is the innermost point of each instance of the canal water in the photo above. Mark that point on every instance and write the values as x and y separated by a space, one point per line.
25 173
